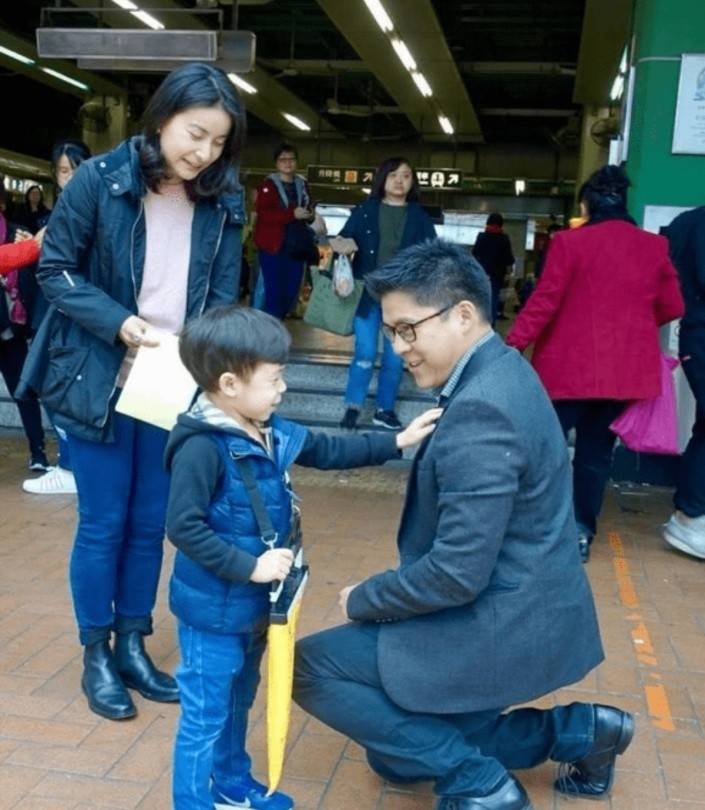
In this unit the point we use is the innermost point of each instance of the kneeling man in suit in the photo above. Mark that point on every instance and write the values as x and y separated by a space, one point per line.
489 606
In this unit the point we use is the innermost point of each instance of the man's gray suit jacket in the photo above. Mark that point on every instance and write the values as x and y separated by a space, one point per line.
490 605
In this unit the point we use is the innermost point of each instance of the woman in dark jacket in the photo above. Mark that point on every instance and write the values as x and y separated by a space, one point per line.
392 219
493 250
143 239
594 321
66 157
33 215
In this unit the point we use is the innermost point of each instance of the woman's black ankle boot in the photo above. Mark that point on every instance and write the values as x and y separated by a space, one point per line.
138 672
102 685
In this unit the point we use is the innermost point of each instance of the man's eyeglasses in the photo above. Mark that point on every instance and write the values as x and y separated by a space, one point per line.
407 331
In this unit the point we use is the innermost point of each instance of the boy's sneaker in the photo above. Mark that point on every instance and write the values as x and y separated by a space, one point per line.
56 481
248 792
688 537
387 419
349 420
39 462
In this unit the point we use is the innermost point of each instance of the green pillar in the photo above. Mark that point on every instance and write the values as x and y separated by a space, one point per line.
662 31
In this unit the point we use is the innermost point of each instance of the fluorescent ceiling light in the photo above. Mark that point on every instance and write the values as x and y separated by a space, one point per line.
623 64
142 16
446 126
241 83
404 54
147 19
64 78
18 56
378 12
422 84
366 190
297 122
519 187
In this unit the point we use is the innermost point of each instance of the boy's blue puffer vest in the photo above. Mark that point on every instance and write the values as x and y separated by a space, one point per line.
204 600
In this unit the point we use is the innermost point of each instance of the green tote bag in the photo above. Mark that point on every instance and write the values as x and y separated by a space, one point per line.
326 310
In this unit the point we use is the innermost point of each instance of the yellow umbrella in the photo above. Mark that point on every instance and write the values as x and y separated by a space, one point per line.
286 605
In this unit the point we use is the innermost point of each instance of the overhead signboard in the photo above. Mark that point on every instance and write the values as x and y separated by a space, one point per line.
437 179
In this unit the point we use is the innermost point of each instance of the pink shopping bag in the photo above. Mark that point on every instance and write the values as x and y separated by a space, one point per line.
651 425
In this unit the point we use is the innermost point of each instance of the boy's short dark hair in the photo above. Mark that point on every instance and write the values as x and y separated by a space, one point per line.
231 339
434 273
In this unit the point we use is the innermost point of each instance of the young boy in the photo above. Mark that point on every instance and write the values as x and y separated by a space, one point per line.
219 589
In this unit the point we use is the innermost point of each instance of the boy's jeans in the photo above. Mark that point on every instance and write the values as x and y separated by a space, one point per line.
366 325
218 678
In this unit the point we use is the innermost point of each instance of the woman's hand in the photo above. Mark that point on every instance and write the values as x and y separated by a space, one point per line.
22 236
136 332
342 245
419 428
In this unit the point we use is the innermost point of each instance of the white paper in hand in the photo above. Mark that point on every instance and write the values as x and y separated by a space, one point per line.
158 387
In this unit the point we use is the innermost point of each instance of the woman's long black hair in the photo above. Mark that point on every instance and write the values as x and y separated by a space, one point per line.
194 85
605 194
387 167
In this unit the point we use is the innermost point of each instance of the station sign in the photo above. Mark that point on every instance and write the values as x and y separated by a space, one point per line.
438 179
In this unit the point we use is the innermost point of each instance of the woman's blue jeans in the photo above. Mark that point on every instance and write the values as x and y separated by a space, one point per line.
218 678
367 324
117 555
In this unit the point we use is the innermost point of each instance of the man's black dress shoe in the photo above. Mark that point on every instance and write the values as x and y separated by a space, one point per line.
103 686
510 795
138 672
591 777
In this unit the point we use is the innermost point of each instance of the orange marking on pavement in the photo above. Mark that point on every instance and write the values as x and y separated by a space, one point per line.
656 697
642 639
659 708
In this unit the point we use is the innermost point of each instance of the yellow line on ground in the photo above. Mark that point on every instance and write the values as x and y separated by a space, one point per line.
656 697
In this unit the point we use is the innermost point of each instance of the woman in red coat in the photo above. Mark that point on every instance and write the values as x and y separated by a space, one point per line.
594 321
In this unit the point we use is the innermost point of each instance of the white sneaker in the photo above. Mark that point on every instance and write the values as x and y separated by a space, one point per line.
54 482
687 537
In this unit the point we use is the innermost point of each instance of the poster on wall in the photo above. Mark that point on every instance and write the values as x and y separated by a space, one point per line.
689 126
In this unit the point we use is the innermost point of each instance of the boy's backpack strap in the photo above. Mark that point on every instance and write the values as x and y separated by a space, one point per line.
264 523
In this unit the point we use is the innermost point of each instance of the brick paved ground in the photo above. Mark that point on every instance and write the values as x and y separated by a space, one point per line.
56 755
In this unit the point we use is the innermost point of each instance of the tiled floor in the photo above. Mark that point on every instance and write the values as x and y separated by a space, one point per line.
56 755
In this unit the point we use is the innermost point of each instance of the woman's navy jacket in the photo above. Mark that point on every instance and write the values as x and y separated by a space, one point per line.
91 271
363 227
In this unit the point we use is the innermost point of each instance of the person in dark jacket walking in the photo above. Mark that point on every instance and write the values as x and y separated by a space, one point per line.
66 157
389 221
493 250
489 605
143 239
686 236
225 561
594 318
